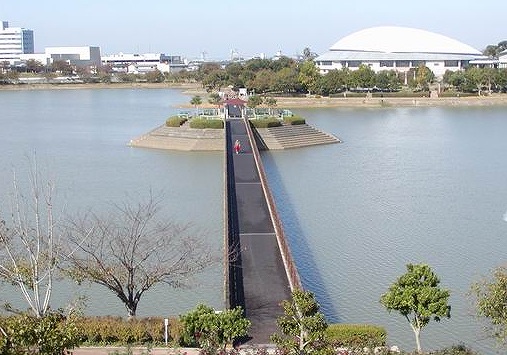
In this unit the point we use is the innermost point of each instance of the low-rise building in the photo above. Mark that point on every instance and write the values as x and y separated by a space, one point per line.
502 59
142 63
83 56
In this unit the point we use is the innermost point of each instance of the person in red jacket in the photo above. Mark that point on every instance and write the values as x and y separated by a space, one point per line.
237 146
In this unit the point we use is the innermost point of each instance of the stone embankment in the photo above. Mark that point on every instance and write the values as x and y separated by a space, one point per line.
181 138
190 139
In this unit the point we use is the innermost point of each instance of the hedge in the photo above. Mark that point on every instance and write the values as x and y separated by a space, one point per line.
453 93
110 330
175 121
294 120
266 122
356 335
204 123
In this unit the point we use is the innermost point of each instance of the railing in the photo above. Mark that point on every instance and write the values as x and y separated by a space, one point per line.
233 274
226 221
290 266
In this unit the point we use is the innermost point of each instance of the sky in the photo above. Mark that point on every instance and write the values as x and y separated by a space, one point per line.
213 29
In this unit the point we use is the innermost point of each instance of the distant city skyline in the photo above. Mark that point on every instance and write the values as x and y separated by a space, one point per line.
194 28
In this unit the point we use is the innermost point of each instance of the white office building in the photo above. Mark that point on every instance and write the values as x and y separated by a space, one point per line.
14 41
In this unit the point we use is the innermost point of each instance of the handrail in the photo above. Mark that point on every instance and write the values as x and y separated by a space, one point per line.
290 266
226 223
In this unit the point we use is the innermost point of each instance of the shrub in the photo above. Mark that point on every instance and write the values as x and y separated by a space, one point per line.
294 120
266 122
203 123
53 333
212 330
175 121
356 335
454 350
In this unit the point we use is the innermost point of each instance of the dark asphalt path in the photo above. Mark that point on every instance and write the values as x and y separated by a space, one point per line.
264 279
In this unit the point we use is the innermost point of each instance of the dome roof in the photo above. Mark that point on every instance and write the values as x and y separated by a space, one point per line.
391 39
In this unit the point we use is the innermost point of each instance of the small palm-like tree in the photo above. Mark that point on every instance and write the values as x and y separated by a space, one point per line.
196 101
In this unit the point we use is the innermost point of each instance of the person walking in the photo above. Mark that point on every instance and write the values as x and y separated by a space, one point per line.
237 146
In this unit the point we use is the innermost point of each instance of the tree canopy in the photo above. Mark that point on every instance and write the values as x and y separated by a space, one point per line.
302 326
213 330
491 303
417 296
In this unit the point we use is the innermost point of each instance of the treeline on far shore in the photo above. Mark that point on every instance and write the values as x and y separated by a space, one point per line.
282 77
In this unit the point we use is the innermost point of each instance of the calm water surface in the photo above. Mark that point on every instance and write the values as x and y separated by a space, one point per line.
80 138
407 185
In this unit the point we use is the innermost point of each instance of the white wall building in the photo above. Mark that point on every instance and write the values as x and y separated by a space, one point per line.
80 56
142 63
397 48
14 41
502 60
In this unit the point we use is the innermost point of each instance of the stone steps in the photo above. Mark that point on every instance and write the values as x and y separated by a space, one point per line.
188 139
288 136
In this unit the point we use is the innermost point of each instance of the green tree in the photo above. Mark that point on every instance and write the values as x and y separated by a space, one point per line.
302 325
308 54
234 74
154 76
286 81
423 77
309 76
214 99
213 330
491 303
493 50
417 296
215 79
334 81
363 77
387 80
196 101
475 77
262 82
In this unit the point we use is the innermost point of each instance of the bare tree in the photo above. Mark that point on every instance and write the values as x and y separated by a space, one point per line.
29 242
132 250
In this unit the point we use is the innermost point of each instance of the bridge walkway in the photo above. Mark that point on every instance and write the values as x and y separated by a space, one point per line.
257 280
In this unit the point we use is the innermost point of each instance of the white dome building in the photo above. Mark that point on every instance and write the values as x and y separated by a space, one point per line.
398 48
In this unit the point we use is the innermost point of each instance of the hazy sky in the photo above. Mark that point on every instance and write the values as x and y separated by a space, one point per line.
251 27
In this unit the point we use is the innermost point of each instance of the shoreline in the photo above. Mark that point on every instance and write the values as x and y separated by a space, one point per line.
287 102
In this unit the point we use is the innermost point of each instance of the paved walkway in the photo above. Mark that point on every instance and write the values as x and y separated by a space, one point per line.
265 282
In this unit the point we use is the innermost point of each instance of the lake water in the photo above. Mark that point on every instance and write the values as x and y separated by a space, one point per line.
407 185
